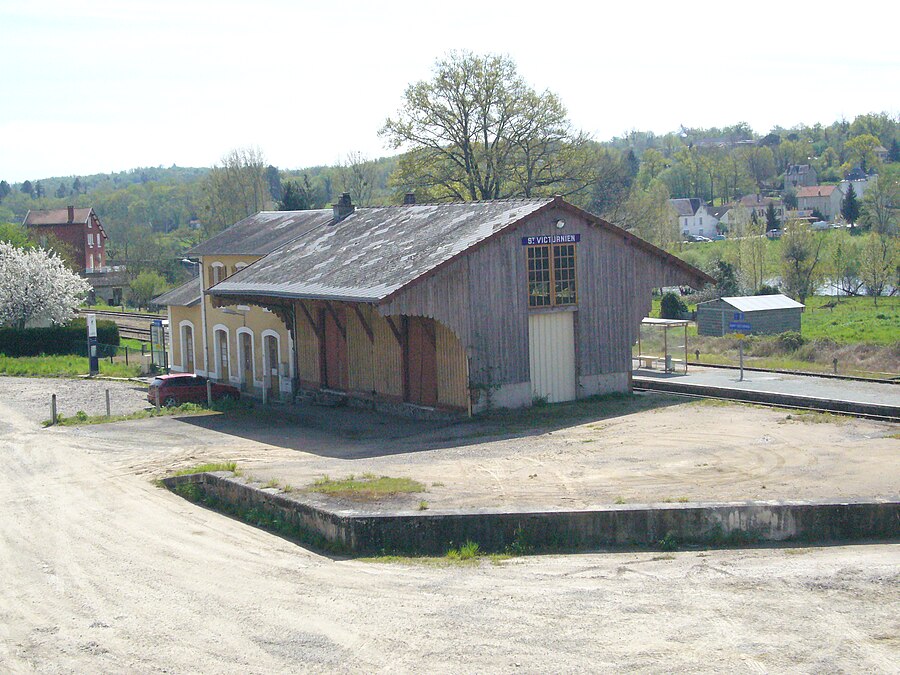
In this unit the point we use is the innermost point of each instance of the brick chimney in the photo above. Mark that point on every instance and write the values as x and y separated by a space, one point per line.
409 198
343 208
71 214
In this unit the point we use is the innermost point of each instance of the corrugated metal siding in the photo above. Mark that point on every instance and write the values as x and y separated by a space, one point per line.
361 352
453 384
552 355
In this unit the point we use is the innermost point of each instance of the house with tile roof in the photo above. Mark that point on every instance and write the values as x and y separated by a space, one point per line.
79 229
826 199
694 217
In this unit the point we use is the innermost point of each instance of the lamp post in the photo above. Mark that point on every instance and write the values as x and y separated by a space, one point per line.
199 264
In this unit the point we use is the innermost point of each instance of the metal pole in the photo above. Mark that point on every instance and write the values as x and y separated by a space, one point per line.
126 355
107 403
53 416
685 349
741 357
205 343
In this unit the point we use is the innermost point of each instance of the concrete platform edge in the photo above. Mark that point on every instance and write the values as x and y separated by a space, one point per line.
770 397
715 525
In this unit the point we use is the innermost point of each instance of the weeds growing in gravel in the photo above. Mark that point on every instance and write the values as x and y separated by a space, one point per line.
367 486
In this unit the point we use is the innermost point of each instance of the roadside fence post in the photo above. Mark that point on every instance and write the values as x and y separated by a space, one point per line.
157 399
741 356
208 392
107 403
53 409
834 363
126 355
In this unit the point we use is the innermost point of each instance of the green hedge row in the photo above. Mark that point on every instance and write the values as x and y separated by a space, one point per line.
55 340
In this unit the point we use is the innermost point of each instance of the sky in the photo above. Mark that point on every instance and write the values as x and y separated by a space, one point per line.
97 86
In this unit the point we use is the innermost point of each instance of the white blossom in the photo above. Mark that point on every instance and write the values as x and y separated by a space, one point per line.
36 284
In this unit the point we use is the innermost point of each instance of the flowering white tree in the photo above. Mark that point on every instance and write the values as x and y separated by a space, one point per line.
36 284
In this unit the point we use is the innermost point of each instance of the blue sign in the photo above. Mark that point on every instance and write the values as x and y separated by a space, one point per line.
738 316
741 326
551 239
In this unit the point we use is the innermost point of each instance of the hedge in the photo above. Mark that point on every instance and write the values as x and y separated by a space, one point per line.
55 340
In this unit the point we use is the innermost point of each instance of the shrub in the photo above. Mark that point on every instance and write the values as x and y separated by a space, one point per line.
790 341
55 340
765 289
672 306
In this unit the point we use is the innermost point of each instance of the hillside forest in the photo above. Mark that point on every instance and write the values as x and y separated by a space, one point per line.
154 214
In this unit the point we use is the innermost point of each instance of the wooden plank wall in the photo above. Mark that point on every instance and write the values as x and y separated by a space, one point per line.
452 370
482 297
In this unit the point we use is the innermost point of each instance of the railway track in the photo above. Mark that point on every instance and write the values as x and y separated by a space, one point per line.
132 325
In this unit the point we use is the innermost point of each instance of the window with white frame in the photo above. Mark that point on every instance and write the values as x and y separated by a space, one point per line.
91 239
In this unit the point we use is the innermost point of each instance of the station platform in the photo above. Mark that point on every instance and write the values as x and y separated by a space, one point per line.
847 396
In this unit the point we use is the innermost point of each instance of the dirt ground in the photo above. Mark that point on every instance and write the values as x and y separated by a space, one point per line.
104 572
654 449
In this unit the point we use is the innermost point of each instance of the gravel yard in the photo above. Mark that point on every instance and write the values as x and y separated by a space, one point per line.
104 572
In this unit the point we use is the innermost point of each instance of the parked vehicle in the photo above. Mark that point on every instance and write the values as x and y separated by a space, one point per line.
718 237
181 388
698 238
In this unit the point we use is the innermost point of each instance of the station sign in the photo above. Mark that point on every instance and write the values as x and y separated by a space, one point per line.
551 239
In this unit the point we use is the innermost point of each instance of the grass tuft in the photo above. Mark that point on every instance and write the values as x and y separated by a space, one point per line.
207 468
367 486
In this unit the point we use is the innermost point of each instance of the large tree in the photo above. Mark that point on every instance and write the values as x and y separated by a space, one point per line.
477 130
881 207
801 257
878 263
357 175
35 284
850 206
235 189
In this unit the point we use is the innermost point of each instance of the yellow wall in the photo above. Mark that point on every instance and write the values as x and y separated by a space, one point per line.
256 319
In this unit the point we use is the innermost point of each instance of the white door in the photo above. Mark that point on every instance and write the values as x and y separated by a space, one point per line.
551 354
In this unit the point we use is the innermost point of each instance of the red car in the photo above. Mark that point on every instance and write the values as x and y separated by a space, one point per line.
181 388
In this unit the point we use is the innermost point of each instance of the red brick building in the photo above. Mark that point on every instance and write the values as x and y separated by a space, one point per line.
79 228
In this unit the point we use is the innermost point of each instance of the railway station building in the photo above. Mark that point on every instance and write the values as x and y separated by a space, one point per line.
454 306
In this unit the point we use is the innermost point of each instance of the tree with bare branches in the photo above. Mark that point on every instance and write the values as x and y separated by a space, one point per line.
477 130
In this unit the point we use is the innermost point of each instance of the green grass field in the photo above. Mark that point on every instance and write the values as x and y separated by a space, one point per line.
62 366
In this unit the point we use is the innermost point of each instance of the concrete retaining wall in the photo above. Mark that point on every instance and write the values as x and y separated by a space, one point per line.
631 525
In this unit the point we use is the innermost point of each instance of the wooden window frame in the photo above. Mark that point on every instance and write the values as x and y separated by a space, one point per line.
553 280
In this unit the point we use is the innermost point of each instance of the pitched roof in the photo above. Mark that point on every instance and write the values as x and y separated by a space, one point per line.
719 211
755 200
816 191
57 216
798 169
755 303
685 206
263 232
186 295
377 251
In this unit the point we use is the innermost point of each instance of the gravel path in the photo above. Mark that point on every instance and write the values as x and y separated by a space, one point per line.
32 395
